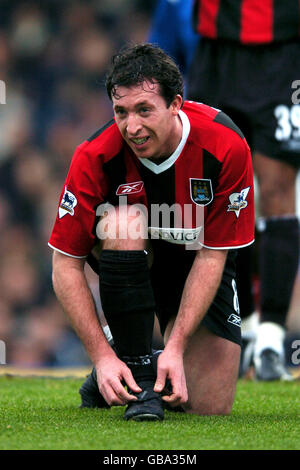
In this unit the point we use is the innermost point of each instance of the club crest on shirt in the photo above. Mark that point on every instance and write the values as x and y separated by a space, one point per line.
238 201
67 204
201 191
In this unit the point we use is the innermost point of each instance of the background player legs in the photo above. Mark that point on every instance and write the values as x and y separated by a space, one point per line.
250 317
278 260
211 365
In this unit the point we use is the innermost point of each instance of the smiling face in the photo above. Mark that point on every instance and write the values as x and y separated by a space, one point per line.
150 128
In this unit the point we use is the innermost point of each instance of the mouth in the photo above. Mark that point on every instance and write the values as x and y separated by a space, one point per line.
139 141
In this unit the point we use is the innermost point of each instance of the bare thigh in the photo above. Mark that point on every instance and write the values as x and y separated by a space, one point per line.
277 186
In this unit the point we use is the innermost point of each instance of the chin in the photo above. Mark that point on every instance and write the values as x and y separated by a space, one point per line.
143 154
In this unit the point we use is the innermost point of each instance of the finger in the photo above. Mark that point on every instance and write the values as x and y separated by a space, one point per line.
160 380
175 399
123 394
128 377
116 401
176 404
111 397
184 391
172 399
172 402
177 395
185 395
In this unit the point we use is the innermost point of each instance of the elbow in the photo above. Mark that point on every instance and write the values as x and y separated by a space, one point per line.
56 273
59 268
54 278
65 268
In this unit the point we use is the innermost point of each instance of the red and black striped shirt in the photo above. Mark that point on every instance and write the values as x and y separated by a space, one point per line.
248 21
214 159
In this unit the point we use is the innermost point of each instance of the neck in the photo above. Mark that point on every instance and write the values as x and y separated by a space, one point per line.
175 139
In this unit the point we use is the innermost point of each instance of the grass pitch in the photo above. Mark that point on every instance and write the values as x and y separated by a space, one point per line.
42 413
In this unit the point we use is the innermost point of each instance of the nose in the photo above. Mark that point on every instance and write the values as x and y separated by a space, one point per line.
133 125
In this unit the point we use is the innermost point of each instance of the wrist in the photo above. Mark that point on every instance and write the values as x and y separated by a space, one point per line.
104 352
176 345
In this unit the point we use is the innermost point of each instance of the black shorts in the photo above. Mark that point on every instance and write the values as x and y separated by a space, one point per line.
170 268
258 87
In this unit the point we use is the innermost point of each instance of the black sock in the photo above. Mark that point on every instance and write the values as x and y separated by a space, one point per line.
279 258
128 305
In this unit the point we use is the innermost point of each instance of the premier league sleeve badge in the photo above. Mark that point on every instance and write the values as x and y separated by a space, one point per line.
238 201
67 204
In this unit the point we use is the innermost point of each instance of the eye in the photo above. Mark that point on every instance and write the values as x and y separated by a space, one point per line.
144 110
120 112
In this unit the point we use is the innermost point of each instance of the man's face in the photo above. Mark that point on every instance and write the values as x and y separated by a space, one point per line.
150 128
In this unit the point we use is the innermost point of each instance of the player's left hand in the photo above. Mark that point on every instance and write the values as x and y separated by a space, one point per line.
170 365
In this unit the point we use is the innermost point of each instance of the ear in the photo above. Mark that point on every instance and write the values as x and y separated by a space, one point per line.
176 104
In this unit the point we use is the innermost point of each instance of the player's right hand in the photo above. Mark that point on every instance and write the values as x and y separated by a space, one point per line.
111 373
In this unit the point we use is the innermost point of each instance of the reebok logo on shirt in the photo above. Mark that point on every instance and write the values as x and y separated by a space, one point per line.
130 188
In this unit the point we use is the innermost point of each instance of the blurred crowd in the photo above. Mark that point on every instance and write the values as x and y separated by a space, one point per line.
53 59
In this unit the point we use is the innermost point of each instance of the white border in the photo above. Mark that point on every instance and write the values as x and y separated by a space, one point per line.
227 247
186 127
67 254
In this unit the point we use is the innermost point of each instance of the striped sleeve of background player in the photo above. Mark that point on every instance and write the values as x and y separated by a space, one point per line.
229 222
72 233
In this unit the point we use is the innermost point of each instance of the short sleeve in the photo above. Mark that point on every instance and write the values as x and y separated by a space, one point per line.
83 191
229 220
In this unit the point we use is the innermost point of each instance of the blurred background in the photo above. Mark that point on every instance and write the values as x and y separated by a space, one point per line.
53 59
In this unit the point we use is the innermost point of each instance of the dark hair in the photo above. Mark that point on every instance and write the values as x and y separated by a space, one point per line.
135 64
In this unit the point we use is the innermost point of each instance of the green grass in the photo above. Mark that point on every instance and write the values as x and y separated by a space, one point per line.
38 413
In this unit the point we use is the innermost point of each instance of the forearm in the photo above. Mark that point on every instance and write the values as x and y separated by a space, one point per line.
72 290
200 289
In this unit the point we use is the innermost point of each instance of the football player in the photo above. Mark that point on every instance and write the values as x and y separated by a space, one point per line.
131 185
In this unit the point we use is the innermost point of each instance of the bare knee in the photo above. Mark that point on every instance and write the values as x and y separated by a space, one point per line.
123 228
211 369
